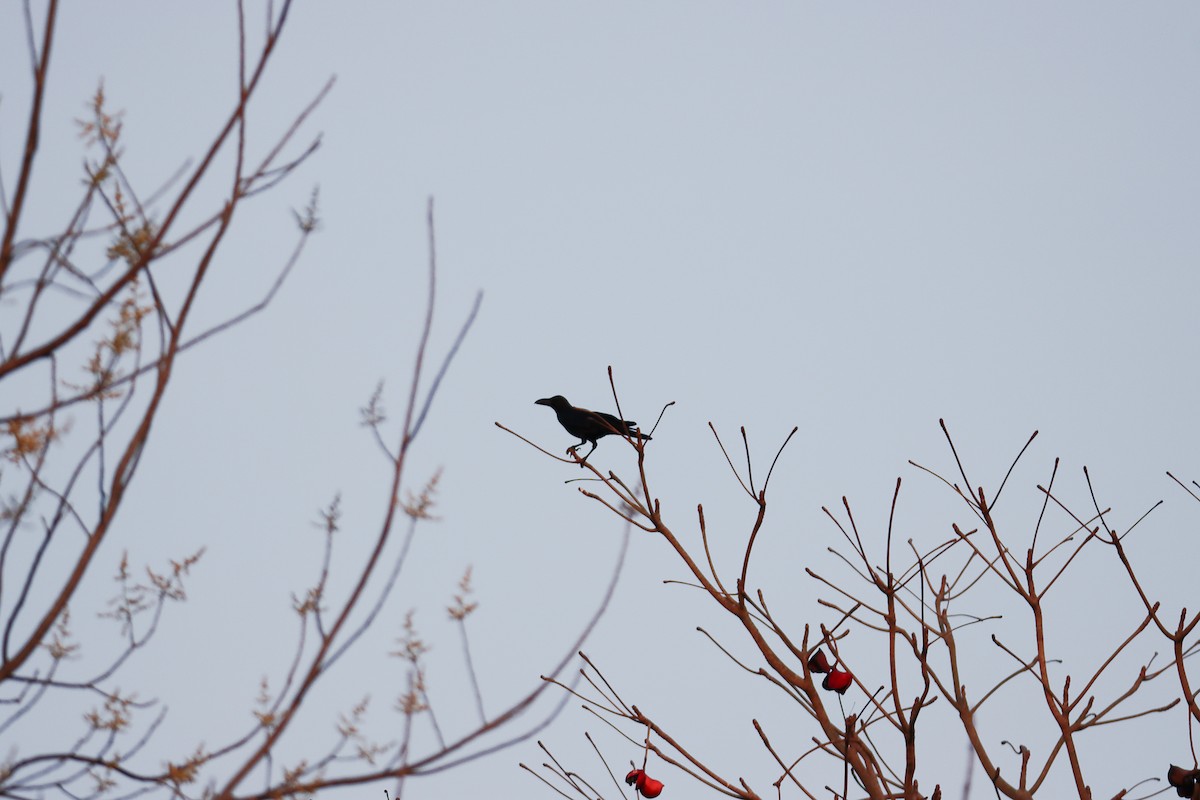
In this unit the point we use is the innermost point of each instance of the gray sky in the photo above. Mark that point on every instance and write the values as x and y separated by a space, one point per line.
851 218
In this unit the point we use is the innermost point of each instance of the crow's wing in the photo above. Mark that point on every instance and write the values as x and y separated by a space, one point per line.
618 424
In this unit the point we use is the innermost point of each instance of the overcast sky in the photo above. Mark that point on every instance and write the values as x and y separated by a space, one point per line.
852 218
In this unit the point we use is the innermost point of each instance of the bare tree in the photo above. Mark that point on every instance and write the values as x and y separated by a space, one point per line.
112 293
908 650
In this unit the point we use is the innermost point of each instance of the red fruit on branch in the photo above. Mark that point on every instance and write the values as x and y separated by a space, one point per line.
817 662
1184 780
646 786
837 681
650 787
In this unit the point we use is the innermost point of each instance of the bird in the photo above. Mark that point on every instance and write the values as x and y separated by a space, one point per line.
589 425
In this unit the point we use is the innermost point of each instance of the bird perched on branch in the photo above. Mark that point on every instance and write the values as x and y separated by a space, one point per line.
589 425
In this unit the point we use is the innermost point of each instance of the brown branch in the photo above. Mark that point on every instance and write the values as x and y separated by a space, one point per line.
32 136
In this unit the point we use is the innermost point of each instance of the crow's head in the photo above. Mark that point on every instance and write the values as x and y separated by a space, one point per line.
558 402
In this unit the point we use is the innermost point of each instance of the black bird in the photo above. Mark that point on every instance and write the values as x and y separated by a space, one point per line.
589 425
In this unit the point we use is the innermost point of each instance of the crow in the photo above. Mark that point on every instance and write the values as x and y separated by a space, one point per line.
589 425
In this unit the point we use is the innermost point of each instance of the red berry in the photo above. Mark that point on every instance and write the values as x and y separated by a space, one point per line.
634 776
650 787
837 681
